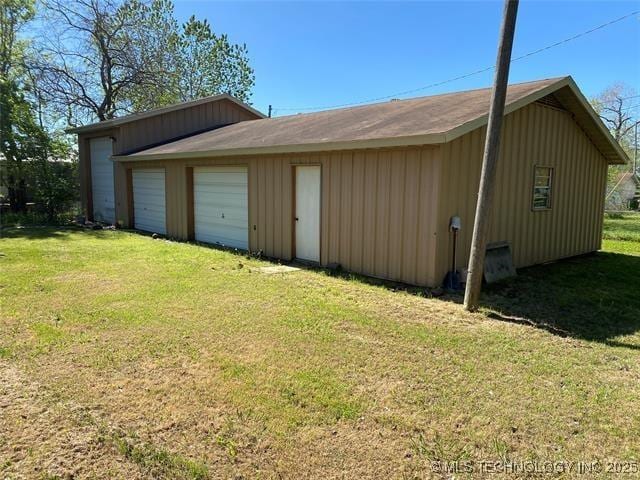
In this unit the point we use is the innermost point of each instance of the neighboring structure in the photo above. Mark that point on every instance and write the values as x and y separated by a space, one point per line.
624 193
371 188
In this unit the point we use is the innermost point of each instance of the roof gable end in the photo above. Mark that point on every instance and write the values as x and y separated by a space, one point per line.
134 117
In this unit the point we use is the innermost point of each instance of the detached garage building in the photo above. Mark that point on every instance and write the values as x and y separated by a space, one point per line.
372 188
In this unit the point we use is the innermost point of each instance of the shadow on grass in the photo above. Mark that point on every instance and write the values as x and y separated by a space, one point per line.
48 232
593 297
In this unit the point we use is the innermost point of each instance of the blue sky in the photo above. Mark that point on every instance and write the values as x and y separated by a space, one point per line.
311 54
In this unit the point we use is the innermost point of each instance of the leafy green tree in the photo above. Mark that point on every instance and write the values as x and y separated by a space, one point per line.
104 58
29 154
209 64
19 134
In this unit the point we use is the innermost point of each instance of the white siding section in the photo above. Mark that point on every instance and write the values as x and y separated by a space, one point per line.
221 213
102 188
149 206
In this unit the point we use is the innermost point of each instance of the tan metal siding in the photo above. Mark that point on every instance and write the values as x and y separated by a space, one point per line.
149 131
175 124
375 219
534 135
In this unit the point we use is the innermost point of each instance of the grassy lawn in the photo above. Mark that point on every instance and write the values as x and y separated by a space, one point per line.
622 226
127 357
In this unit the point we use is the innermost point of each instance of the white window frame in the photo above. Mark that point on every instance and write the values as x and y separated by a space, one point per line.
548 188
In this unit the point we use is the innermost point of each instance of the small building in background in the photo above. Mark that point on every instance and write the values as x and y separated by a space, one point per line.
624 193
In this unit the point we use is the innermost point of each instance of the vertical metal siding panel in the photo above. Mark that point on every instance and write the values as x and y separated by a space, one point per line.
591 200
357 209
336 207
262 210
530 225
589 203
396 218
457 206
575 164
370 213
444 211
326 226
253 204
575 193
120 193
523 184
590 206
470 170
546 159
285 207
277 206
580 183
506 193
269 210
424 212
208 113
435 190
382 206
411 195
594 206
346 182
534 135
221 111
517 185
566 184
585 197
557 192
182 201
601 195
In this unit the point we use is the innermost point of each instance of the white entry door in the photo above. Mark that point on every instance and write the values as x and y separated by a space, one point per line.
149 208
221 206
102 189
307 220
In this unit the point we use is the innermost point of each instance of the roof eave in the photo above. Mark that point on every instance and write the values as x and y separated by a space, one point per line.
416 140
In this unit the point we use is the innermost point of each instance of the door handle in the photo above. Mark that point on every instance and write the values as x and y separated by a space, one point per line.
296 219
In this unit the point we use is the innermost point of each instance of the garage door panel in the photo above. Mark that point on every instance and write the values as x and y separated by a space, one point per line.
149 201
102 183
221 206
232 237
236 202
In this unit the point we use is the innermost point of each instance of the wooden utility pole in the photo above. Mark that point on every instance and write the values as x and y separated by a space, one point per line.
490 158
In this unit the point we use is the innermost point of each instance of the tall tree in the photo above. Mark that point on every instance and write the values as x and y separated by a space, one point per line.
104 58
94 52
19 133
616 108
209 64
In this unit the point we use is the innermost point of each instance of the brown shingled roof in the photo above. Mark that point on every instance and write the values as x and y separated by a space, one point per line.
424 120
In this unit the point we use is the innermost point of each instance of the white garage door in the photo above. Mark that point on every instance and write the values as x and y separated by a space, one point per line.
102 191
221 206
149 213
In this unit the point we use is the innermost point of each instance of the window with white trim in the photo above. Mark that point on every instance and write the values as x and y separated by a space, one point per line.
543 177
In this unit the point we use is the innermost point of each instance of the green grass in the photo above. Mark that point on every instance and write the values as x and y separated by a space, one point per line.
622 226
217 370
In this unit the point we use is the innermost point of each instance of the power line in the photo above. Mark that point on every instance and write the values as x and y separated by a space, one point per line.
460 77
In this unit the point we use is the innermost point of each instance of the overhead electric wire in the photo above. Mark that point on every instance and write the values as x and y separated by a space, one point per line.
460 77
